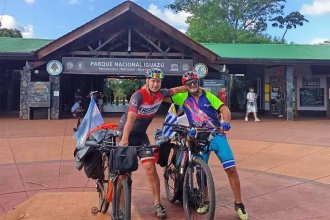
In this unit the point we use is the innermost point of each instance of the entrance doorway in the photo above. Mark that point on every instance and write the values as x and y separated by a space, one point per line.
117 92
277 89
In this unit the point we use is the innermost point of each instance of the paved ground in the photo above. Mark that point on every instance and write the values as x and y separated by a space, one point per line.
284 170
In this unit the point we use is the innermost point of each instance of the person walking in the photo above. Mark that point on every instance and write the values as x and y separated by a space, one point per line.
251 105
279 104
133 125
201 106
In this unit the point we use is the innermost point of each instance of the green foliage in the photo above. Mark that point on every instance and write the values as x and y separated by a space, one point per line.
234 21
122 87
4 32
290 21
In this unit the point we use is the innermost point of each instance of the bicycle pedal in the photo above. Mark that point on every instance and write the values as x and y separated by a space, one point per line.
94 211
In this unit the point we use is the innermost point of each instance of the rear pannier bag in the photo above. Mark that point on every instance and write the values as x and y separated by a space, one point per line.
93 165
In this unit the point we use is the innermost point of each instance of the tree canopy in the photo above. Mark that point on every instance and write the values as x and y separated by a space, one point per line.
290 21
229 21
4 32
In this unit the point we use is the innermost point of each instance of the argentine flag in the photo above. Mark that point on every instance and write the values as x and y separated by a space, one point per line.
172 118
92 119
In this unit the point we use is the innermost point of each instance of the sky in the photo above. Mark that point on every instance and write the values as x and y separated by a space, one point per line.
51 19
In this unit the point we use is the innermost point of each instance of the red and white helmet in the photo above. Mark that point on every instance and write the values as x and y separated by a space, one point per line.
189 75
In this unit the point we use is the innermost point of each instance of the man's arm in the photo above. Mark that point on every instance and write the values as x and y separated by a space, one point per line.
131 116
179 89
225 112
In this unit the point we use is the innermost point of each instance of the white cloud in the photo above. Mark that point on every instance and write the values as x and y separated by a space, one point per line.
319 40
10 23
318 7
29 1
176 20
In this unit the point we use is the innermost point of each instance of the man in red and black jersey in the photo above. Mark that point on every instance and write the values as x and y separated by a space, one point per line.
133 125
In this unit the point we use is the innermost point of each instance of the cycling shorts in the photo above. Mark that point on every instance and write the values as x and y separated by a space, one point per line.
221 148
140 139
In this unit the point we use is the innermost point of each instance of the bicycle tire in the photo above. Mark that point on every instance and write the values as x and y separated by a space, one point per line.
171 178
193 196
123 191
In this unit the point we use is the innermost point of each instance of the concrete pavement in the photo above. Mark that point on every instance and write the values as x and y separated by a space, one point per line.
284 169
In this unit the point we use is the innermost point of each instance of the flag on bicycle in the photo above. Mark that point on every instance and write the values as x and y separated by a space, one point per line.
92 119
171 118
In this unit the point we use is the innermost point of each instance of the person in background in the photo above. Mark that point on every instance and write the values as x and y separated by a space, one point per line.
76 109
251 105
100 101
223 95
280 104
77 95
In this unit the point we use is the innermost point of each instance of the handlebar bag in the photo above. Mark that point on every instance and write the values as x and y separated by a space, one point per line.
123 160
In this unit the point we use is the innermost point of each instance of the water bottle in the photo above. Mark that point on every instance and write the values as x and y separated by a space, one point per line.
191 136
192 132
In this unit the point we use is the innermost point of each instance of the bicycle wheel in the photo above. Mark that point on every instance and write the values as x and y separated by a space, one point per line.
198 191
121 203
171 177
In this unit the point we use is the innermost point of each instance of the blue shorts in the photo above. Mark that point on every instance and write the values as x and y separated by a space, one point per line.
221 148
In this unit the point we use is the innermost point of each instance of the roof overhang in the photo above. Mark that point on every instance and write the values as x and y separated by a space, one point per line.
119 11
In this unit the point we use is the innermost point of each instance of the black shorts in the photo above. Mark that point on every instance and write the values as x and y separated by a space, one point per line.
139 139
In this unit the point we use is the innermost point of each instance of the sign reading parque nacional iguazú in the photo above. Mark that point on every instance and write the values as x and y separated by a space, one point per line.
123 66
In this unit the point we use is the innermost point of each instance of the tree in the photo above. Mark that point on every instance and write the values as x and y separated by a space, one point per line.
239 20
4 32
288 22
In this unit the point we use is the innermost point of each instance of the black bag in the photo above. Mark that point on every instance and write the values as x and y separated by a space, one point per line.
163 153
93 165
123 160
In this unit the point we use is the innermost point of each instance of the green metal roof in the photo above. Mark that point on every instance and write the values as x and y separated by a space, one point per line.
239 51
21 45
270 51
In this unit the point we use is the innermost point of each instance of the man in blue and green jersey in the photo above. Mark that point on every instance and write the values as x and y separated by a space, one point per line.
201 106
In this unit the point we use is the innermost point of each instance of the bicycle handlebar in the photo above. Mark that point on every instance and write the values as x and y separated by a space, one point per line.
196 127
99 145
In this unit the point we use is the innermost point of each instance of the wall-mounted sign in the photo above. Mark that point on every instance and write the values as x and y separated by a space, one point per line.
123 66
311 82
54 67
39 94
311 97
200 69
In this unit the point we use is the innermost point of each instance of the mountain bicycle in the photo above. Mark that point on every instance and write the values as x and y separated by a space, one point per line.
187 177
115 186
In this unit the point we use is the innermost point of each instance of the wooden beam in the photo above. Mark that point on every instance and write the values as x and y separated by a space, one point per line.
83 30
163 26
129 47
148 40
109 40
130 54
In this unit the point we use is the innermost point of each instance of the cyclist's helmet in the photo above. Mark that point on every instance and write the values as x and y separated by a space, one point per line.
189 75
155 74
